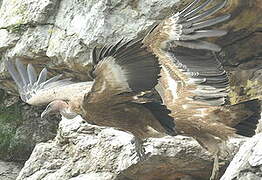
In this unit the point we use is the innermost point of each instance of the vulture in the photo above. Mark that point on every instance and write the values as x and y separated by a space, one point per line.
176 60
119 96
193 84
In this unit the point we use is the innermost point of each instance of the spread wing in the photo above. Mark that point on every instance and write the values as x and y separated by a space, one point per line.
123 67
37 89
125 73
195 76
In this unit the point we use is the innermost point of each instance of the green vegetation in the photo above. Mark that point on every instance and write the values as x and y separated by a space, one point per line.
9 121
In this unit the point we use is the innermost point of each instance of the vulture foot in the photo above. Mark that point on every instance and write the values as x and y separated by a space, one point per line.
215 170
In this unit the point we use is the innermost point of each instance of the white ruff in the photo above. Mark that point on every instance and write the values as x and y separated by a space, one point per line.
68 114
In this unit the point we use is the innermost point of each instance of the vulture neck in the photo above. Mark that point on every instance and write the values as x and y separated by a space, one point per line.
66 111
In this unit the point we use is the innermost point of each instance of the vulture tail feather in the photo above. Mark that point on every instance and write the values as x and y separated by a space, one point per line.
31 74
51 80
27 82
14 74
58 83
22 71
42 76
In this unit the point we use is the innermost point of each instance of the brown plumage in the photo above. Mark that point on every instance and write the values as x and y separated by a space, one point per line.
124 74
193 83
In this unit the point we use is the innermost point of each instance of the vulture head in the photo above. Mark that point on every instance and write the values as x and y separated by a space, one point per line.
59 106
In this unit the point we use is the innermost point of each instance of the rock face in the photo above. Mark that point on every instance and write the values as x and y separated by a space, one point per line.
59 35
83 151
247 164
9 170
21 128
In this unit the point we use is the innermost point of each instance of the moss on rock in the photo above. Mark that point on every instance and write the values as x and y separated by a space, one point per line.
9 121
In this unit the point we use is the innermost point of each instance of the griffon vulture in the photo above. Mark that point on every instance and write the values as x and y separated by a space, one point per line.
124 74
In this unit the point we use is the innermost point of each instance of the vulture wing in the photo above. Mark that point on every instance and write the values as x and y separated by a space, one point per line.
37 90
193 83
125 73
195 75
124 67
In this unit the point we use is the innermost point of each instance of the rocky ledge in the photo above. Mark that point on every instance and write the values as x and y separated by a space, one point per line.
81 151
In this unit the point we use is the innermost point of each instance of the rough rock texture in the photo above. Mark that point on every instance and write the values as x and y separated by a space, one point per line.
83 151
60 34
9 170
242 49
247 164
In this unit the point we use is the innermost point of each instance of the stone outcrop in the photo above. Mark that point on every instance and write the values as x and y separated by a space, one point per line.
247 164
9 170
83 151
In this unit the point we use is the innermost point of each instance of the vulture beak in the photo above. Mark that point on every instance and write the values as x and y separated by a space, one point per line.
45 112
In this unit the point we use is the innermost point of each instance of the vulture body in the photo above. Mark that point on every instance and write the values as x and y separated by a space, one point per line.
193 84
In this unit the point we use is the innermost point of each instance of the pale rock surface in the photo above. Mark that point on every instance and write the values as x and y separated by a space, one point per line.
7 40
247 163
66 31
9 170
20 12
83 151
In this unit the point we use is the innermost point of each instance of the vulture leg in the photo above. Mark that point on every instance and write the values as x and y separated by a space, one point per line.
215 170
215 146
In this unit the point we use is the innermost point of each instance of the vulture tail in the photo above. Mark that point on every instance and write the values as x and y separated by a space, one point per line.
28 82
161 113
247 127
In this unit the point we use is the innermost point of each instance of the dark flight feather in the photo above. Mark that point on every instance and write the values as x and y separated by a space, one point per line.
140 67
161 113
